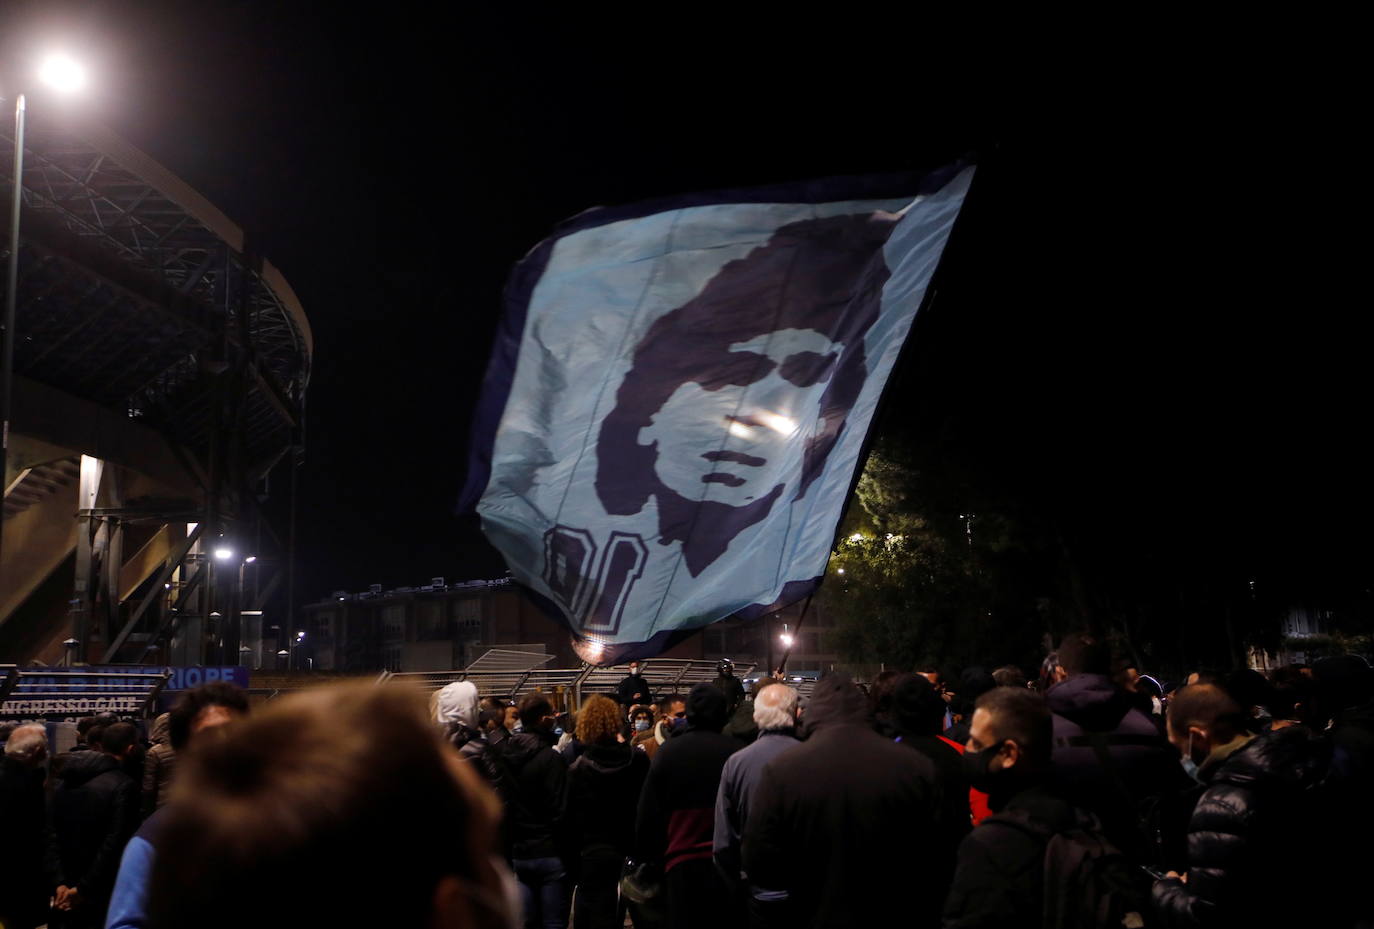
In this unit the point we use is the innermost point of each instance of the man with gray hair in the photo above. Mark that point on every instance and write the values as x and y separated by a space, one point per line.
775 713
24 888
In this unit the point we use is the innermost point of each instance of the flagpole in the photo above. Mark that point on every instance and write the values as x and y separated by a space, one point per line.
782 663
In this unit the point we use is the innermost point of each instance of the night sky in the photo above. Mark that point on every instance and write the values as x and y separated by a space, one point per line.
1139 332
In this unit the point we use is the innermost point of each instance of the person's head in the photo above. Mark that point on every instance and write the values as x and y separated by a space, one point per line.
1009 675
93 734
917 709
119 739
706 373
1009 741
725 668
27 745
1202 717
314 787
1203 676
598 722
1343 682
456 703
1082 653
641 718
83 729
929 668
707 708
536 713
6 730
775 707
512 716
492 713
635 668
674 707
203 708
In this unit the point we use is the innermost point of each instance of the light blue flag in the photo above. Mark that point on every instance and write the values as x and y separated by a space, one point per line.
679 396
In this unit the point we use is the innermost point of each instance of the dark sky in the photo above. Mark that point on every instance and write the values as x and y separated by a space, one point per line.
1139 329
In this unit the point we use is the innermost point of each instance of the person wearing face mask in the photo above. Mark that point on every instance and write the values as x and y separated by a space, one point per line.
999 876
633 688
1262 822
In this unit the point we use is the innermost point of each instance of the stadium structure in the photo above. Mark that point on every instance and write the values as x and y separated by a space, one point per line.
159 381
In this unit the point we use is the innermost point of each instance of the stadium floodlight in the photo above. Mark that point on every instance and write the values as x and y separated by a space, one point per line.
224 552
62 72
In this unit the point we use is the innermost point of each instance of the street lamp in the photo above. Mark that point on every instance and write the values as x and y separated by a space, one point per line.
63 74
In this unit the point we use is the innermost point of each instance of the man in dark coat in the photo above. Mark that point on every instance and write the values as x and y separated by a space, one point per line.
24 888
677 809
917 711
848 822
633 689
999 881
1108 755
536 801
1261 829
94 811
729 685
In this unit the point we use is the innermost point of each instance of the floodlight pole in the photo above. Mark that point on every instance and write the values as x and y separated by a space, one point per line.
11 299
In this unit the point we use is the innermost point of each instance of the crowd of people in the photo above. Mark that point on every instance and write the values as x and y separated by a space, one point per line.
1089 796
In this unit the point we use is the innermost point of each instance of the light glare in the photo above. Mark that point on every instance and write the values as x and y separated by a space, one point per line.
740 430
223 553
783 425
61 72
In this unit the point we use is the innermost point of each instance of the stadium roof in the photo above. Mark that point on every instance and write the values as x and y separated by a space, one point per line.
136 293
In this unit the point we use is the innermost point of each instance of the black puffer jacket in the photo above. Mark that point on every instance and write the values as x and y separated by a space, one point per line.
1260 832
603 794
536 797
481 755
94 811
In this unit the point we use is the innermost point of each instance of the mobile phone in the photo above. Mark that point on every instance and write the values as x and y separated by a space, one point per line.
1153 872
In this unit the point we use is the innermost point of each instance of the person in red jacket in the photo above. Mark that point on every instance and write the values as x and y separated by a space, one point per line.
677 808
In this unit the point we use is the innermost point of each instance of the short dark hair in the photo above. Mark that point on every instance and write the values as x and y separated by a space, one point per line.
84 724
95 732
1207 706
1082 653
193 701
117 737
1009 675
316 786
1023 717
917 708
533 708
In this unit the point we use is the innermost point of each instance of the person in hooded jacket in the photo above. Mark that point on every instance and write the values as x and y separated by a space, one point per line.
603 791
677 807
94 810
536 801
917 712
158 763
456 709
849 822
1110 758
1261 826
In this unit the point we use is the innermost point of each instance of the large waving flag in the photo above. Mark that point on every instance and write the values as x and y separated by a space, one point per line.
679 395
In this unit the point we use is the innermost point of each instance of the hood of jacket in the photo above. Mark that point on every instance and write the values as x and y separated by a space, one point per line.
161 733
608 758
1295 755
707 708
522 746
82 767
457 703
1091 701
835 701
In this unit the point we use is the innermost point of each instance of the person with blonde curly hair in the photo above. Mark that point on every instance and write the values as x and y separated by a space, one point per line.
603 793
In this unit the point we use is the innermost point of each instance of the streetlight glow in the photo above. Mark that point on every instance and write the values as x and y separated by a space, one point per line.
787 639
224 553
250 559
61 72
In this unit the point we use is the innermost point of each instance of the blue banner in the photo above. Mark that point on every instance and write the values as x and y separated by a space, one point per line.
680 392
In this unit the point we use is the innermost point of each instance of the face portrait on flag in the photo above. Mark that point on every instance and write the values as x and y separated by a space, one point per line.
734 399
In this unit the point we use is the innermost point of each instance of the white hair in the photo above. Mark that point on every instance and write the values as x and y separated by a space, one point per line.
775 706
26 741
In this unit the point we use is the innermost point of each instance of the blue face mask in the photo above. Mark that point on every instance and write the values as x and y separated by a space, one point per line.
641 725
678 722
1189 765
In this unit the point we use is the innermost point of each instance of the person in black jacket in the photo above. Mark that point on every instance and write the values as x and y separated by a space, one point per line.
23 885
536 800
633 688
1000 874
1110 758
603 791
94 811
1262 828
918 713
456 709
848 822
677 808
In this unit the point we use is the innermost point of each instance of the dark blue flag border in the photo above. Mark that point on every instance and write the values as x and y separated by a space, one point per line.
500 374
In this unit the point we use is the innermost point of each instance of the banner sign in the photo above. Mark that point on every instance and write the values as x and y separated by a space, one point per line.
680 392
95 690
